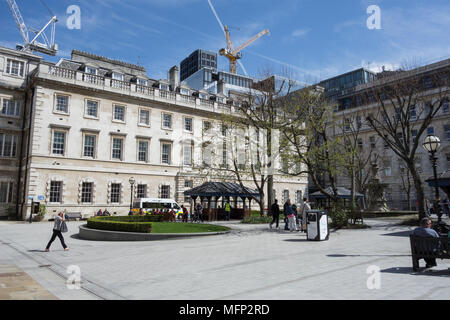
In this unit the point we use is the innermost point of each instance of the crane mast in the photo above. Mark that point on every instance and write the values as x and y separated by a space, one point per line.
48 47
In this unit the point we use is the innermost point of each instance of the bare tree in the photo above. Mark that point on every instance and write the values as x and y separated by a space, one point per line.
406 103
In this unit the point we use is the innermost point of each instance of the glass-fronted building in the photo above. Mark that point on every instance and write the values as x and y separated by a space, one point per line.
196 61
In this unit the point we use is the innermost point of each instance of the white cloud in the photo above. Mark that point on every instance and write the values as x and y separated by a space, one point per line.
300 32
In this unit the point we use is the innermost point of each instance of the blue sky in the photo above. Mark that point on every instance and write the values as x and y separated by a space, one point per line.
309 40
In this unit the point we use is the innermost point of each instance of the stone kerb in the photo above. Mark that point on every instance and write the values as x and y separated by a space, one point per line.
103 235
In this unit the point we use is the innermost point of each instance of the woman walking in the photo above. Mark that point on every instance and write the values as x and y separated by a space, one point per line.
59 221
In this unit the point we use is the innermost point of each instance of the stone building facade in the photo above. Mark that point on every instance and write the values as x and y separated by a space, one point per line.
392 170
92 124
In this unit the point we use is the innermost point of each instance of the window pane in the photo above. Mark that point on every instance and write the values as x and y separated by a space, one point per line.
144 117
119 113
89 146
142 154
167 121
117 149
86 192
166 153
55 191
187 155
142 191
58 142
62 103
188 124
92 108
115 192
165 192
3 192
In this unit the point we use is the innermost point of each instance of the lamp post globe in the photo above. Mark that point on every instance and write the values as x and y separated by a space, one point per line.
432 144
132 181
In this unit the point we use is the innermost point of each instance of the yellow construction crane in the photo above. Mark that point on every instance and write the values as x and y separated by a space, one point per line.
234 55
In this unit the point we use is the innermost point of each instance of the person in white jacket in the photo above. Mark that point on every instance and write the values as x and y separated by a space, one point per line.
59 219
303 212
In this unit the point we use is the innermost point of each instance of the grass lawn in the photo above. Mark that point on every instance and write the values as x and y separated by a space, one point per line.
171 227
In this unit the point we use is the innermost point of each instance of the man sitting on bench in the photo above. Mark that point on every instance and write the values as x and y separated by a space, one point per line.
425 231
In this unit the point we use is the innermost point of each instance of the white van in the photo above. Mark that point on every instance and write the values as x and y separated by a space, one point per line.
150 204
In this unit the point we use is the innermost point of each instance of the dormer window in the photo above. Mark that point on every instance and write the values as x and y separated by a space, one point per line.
203 96
142 82
164 87
185 92
117 76
220 99
91 70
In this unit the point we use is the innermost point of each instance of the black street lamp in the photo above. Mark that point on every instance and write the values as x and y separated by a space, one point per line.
132 182
432 144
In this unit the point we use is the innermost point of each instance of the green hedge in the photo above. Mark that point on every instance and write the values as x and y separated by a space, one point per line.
257 220
147 218
140 224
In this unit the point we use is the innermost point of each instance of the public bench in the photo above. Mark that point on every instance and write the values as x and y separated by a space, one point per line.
74 215
428 248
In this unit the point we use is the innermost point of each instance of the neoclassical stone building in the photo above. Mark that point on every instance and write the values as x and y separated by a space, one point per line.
81 128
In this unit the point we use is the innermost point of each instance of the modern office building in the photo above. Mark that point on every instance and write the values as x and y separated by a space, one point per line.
73 134
196 61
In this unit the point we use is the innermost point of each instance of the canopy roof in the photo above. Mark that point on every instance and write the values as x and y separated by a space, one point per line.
342 193
443 180
221 189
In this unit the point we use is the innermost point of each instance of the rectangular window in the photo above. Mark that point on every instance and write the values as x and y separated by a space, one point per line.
224 155
224 130
117 76
285 195
115 192
119 113
372 142
59 141
89 146
412 113
446 106
91 70
188 183
358 122
15 67
11 108
299 196
430 131
360 144
8 145
188 124
92 108
142 82
187 152
447 132
143 151
62 103
55 191
4 192
144 117
142 191
165 192
117 146
166 153
448 160
86 192
167 121
164 87
387 164
206 126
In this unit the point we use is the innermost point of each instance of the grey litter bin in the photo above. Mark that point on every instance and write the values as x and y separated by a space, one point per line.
317 225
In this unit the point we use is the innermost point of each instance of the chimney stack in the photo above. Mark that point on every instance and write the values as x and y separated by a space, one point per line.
221 87
173 77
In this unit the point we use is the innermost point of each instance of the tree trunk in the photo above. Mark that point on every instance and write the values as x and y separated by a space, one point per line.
419 190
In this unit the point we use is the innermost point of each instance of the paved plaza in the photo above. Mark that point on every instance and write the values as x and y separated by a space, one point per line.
252 262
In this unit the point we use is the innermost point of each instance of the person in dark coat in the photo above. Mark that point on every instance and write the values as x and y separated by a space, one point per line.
275 210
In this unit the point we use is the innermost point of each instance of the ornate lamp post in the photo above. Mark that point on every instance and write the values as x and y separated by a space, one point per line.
432 144
132 182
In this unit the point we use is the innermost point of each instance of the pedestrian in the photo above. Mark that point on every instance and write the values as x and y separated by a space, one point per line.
294 208
303 212
58 227
199 212
286 208
275 211
291 216
106 213
227 211
185 213
425 231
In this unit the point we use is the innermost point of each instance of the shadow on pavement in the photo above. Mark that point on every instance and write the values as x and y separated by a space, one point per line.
36 250
367 255
398 234
422 272
295 240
